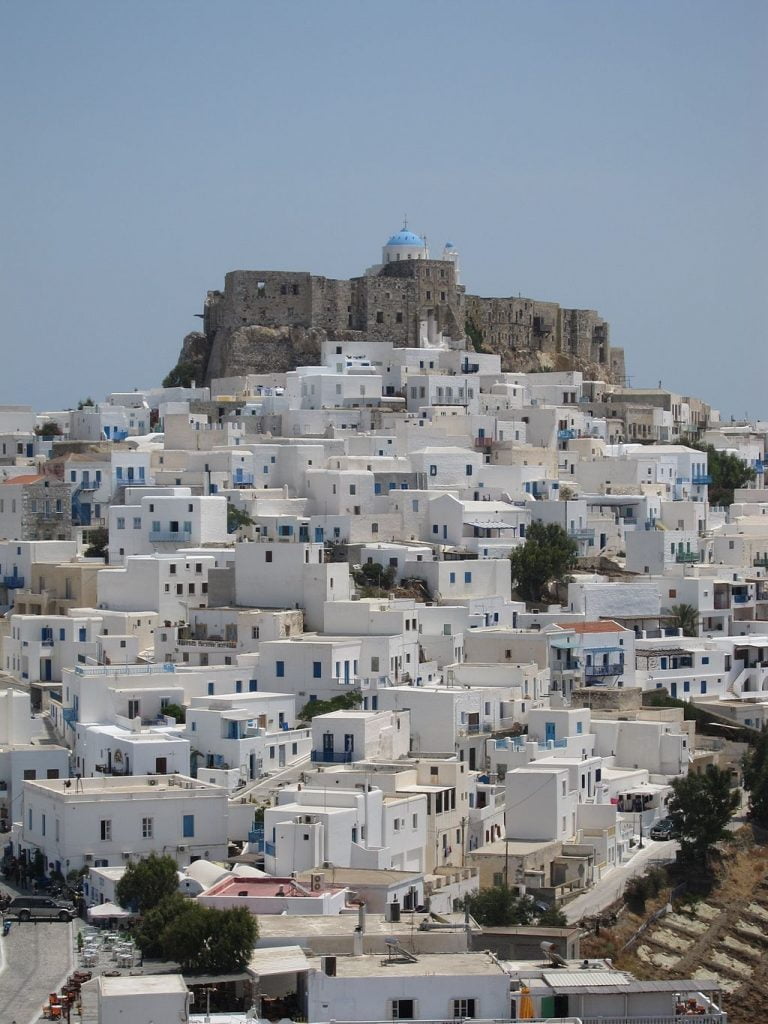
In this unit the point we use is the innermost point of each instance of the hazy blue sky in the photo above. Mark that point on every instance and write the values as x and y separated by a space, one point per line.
609 155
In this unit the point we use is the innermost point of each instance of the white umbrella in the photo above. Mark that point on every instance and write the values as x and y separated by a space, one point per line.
107 910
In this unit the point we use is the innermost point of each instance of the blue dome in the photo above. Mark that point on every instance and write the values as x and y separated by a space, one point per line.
405 237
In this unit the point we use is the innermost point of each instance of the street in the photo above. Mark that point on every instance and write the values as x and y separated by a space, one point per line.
36 959
611 886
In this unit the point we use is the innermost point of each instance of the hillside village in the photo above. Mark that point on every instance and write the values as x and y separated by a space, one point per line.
185 571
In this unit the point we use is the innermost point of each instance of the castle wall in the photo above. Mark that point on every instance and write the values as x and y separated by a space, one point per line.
390 305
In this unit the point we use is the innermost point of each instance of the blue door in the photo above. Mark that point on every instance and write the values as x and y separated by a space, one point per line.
549 733
673 690
319 535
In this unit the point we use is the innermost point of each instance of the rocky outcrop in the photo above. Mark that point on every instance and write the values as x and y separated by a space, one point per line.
255 349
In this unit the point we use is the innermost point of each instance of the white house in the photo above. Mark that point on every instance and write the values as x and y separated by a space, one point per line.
110 820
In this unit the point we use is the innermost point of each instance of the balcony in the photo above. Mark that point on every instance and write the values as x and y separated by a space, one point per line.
701 479
243 480
475 729
598 671
332 756
69 715
483 442
587 535
172 536
13 582
228 644
758 563
683 557
741 598
269 849
566 435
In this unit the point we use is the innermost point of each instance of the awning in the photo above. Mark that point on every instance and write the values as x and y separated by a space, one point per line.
489 524
277 960
104 911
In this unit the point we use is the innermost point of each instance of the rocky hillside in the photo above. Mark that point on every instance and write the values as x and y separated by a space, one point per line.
256 349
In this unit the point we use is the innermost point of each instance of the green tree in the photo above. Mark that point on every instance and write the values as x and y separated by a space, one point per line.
685 617
727 471
754 765
181 376
98 543
84 402
199 939
151 928
499 906
147 882
49 429
552 917
237 518
176 711
374 575
344 702
701 806
548 554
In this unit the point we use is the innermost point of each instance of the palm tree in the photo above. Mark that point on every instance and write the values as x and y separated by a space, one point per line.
685 617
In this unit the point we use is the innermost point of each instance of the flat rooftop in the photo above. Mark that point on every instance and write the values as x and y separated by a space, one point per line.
115 785
276 927
434 964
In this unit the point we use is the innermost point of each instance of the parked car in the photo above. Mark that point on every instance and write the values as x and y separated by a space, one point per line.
40 908
663 829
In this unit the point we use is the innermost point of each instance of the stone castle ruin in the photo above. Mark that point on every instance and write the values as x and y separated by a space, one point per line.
272 321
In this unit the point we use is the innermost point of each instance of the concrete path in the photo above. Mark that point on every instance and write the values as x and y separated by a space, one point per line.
37 958
611 886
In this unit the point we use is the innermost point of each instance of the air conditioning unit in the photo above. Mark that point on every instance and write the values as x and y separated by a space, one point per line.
127 854
316 882
182 848
88 857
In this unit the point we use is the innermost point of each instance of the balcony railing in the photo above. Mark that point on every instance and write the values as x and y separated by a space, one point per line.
269 849
229 644
170 535
333 756
566 435
761 563
475 728
701 479
13 582
741 598
124 670
613 669
686 556
69 715
588 535
244 480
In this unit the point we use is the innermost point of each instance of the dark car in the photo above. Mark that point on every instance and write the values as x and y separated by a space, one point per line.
40 908
664 829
